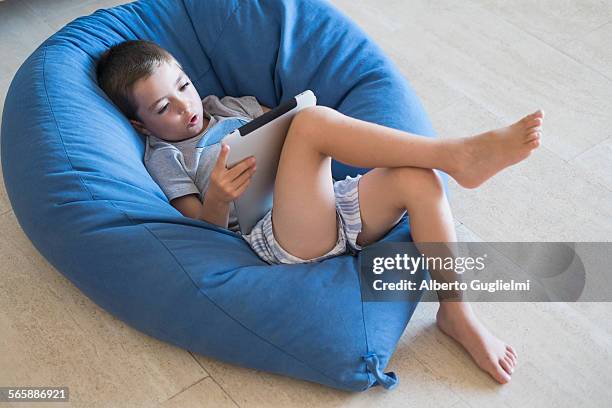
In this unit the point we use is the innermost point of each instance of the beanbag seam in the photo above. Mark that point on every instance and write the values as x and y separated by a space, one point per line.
44 66
118 20
198 39
210 53
196 32
365 336
135 36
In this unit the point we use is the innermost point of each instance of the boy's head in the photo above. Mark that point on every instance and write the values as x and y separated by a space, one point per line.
150 87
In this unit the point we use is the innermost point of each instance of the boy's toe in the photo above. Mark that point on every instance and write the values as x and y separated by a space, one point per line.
534 143
501 375
505 364
535 122
510 356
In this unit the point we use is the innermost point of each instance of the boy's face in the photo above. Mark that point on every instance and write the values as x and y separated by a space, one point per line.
169 106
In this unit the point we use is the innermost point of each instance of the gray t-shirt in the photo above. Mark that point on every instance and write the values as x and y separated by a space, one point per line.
183 168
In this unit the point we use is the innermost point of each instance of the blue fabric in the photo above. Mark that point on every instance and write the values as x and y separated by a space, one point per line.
215 134
74 173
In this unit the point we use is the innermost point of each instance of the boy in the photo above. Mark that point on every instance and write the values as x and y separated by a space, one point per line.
312 218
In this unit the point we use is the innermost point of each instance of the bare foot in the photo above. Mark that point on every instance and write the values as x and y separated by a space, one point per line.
457 320
482 156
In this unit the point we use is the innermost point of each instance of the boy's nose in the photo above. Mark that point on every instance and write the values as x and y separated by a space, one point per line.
183 107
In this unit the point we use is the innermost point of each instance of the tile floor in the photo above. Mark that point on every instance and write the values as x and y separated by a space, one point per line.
477 64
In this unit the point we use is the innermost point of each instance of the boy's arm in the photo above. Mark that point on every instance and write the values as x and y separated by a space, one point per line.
215 212
209 211
265 108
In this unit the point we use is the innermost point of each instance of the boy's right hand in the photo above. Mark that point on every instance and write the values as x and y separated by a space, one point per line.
225 184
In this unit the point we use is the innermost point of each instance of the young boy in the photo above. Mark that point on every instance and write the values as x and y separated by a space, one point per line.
312 218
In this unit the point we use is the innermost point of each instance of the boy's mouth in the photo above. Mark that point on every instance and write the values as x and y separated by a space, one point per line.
193 121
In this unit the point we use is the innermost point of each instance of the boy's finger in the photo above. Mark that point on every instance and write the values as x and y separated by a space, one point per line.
247 174
246 161
242 187
222 159
240 167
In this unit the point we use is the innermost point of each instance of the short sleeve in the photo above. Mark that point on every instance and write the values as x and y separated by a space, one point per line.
166 168
229 106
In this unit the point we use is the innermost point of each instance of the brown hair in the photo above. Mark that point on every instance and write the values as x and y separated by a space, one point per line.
123 65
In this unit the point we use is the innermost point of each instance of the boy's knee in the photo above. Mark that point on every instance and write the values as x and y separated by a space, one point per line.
419 182
316 113
306 126
311 118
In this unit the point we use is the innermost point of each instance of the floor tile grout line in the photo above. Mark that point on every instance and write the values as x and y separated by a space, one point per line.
547 43
187 387
463 401
569 161
213 378
40 17
198 362
609 79
433 370
590 148
224 391
573 160
49 23
584 35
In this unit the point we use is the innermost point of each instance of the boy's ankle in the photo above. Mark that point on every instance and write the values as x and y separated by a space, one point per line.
454 152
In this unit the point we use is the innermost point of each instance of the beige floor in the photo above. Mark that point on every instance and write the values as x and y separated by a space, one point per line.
476 64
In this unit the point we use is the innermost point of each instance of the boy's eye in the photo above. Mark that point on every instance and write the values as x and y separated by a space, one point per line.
162 110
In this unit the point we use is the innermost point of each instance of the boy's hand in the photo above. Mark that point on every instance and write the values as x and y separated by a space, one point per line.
228 184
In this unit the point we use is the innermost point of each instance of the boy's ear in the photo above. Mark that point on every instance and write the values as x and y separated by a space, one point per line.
140 128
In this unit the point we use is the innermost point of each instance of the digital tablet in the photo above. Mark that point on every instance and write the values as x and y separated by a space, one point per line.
263 137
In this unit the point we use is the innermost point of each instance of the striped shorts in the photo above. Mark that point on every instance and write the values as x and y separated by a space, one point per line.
261 238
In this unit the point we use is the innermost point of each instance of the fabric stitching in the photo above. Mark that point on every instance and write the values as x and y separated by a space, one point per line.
225 24
118 20
213 49
365 331
199 42
44 78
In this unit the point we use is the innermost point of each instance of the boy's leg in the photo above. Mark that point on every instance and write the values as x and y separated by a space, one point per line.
304 213
304 218
383 193
469 160
421 193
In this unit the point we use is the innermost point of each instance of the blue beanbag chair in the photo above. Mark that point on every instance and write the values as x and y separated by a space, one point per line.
74 173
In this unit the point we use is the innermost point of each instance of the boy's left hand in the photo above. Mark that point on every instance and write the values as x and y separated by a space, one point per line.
228 184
